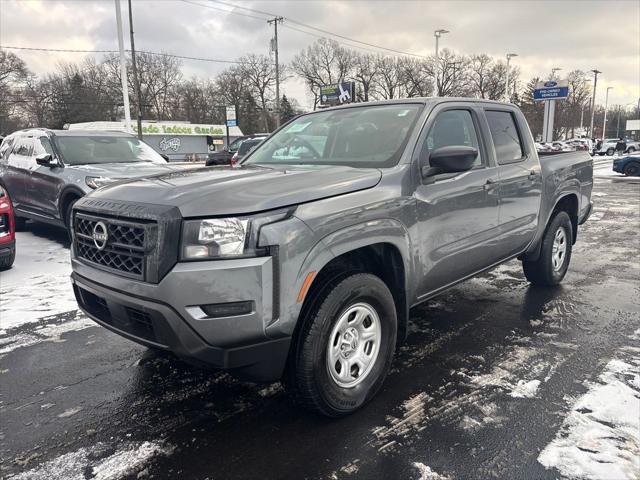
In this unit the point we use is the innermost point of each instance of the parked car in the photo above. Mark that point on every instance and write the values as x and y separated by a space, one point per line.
7 232
608 147
223 157
542 147
245 148
302 263
47 171
632 146
629 165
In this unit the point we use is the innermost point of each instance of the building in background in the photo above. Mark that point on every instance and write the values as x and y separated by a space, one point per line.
180 141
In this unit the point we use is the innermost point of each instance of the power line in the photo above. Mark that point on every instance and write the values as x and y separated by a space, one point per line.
326 32
159 54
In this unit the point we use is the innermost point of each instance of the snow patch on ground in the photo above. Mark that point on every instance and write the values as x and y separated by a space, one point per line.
47 332
81 464
600 438
427 474
525 389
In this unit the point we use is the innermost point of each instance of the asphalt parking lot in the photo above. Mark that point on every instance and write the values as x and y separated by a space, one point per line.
498 380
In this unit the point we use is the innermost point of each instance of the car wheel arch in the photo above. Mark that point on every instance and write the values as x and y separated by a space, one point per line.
67 196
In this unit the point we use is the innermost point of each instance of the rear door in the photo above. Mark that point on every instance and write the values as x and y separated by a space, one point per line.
457 214
45 183
520 179
16 170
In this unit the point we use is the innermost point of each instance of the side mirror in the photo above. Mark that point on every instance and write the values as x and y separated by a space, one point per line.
46 160
165 156
451 159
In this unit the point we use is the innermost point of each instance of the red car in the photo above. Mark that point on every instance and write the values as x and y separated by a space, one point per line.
7 232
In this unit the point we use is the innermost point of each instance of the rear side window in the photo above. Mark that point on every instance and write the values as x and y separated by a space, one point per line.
5 149
22 146
506 138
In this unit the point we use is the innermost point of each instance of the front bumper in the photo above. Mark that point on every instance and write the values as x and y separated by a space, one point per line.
167 315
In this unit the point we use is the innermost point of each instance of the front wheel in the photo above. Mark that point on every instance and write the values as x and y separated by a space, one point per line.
610 151
555 253
344 348
632 169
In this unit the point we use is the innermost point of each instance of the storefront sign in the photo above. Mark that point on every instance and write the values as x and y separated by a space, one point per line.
178 129
169 144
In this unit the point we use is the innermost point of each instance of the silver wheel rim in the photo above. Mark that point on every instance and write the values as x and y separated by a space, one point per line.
559 250
354 345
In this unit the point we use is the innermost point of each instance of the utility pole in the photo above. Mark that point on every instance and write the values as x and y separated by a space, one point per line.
606 105
123 69
618 126
274 48
438 33
593 99
506 83
134 70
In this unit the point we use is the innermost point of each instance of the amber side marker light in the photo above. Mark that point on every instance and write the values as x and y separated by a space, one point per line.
305 286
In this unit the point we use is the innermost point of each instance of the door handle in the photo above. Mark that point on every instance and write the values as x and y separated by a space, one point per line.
532 175
490 184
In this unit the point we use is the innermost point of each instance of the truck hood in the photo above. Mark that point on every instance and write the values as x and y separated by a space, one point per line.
124 170
214 191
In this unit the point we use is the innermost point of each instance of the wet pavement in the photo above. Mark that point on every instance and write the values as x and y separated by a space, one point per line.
491 375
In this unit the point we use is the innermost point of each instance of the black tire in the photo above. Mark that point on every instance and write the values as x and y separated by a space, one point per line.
7 262
632 169
67 216
308 379
610 151
542 271
20 223
631 150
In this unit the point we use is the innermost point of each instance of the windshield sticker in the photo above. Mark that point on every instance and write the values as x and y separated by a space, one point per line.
298 127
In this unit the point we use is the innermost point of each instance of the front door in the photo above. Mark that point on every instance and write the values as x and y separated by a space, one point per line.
457 213
45 183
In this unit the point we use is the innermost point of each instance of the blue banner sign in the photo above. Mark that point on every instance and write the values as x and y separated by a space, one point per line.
337 93
551 90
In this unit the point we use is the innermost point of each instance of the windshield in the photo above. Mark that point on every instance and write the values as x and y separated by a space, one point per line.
247 146
84 150
367 137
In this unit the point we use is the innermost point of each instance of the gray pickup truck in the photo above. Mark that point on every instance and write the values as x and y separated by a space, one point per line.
302 263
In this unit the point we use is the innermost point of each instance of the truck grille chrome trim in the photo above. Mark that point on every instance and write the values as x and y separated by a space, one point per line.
122 252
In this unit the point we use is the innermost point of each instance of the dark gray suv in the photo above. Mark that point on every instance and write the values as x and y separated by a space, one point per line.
47 171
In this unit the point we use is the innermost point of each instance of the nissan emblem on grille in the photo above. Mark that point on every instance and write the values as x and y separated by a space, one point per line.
100 235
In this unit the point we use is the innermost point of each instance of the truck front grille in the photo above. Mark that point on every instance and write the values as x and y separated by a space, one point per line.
124 249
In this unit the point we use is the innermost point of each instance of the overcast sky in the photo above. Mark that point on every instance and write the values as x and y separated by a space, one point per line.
545 34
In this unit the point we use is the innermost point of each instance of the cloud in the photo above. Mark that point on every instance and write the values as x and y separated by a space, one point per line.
545 34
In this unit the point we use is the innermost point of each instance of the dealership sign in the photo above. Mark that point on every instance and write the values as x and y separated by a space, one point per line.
337 93
551 90
231 117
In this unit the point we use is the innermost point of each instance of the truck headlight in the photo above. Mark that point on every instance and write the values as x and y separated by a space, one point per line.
224 237
97 182
216 237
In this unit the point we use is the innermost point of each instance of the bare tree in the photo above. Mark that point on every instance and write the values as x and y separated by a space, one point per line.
260 74
365 73
323 63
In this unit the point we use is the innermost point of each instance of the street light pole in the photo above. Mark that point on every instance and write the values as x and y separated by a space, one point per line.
123 69
506 83
606 104
134 70
437 34
593 99
554 70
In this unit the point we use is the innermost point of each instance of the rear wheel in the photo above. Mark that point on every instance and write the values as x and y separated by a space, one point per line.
555 253
631 150
632 169
610 151
344 348
20 223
